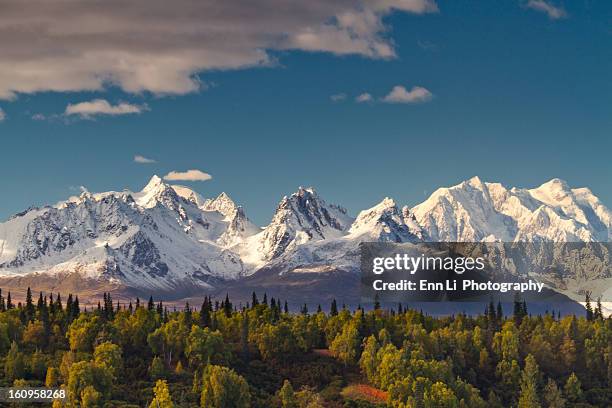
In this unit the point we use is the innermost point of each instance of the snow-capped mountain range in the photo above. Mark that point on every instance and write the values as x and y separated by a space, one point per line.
169 238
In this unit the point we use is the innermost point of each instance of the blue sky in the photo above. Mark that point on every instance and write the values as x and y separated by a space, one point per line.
520 96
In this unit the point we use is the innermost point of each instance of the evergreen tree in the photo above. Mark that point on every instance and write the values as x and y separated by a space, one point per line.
286 307
58 303
227 307
490 313
76 309
205 313
255 301
588 307
9 303
51 304
151 305
598 309
29 309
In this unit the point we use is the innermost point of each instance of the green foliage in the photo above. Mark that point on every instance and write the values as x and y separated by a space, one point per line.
157 369
109 356
83 331
346 345
86 374
204 346
262 357
223 388
14 365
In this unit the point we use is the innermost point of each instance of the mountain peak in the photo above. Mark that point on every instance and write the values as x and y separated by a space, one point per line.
385 222
153 184
555 184
305 191
476 182
222 204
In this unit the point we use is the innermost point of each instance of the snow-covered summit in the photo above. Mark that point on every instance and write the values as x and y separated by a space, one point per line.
474 211
165 237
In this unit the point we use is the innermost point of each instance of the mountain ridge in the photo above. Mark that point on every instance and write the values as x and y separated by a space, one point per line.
168 236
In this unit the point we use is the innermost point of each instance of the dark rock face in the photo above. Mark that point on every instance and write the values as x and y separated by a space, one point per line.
141 251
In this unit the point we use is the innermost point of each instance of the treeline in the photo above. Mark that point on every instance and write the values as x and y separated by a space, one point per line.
222 355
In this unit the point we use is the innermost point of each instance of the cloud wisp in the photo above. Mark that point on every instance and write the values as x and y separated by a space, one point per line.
364 97
60 46
553 12
189 175
338 97
399 94
98 107
143 160
2 115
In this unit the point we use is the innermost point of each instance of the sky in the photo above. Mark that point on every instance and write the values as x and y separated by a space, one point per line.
360 100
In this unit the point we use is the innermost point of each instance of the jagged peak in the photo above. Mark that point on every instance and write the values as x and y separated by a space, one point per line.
386 206
305 191
154 183
555 184
476 182
222 204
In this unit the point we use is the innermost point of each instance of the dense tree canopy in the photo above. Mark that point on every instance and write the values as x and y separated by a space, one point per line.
227 355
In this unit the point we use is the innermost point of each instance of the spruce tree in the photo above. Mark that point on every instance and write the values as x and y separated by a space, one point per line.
333 311
227 307
29 309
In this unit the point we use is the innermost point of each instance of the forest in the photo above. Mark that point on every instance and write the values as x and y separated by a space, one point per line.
261 354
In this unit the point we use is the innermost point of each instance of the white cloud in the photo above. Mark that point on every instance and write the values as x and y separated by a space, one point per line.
364 97
189 175
143 160
160 46
38 116
553 12
399 94
102 107
338 97
2 115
